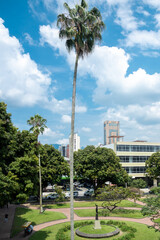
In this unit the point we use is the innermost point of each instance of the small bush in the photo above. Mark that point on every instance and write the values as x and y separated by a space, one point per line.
155 190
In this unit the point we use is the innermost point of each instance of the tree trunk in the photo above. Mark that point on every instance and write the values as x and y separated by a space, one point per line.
40 186
71 149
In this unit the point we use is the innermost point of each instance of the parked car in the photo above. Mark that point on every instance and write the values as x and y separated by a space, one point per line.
75 194
33 198
52 196
89 192
67 195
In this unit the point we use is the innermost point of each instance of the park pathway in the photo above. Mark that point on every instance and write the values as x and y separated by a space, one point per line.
4 235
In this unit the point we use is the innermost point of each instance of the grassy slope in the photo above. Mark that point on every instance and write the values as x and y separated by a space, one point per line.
29 215
143 233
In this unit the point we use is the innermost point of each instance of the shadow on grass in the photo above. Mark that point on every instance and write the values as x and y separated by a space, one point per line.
40 235
21 216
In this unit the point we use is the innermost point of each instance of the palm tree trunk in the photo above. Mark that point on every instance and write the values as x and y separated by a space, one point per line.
40 186
71 149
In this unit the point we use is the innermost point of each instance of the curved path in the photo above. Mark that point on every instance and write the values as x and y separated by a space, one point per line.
66 212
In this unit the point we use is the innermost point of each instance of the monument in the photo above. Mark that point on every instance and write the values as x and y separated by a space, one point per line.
97 224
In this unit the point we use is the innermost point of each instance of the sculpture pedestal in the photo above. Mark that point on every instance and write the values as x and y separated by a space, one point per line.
97 224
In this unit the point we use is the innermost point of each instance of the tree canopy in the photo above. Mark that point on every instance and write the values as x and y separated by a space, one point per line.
153 165
152 209
99 165
7 138
81 27
38 124
19 161
113 195
53 165
25 169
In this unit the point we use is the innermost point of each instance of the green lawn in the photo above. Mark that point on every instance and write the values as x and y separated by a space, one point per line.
115 213
143 233
90 229
124 203
157 220
23 215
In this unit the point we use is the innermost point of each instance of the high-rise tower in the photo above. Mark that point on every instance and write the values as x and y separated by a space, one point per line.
76 142
111 132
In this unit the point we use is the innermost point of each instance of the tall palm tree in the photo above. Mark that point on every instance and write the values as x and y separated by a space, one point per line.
38 126
81 28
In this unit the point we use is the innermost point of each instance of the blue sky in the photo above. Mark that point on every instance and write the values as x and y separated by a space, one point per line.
120 80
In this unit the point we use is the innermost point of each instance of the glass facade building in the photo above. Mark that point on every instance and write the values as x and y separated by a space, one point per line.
133 155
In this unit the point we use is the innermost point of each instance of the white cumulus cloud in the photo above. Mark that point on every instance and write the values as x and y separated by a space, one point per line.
86 129
22 83
144 39
63 141
66 118
108 66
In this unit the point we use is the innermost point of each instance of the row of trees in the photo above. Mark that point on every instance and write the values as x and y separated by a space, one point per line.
19 165
19 162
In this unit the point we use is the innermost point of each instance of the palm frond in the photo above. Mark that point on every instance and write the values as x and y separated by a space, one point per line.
94 11
66 6
84 4
81 11
70 44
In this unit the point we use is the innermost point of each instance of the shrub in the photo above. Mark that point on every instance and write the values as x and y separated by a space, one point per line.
155 190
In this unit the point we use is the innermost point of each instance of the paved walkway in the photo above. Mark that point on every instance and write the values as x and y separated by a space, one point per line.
5 228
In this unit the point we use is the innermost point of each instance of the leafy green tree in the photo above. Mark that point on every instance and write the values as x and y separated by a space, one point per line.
26 143
152 209
7 138
61 195
113 195
153 165
53 165
38 126
25 169
99 165
8 188
81 28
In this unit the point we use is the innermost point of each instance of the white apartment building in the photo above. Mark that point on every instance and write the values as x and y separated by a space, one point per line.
76 142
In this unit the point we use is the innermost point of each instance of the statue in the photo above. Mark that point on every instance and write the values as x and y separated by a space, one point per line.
96 212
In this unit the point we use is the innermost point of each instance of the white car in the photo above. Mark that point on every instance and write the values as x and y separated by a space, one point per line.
89 192
52 196
75 194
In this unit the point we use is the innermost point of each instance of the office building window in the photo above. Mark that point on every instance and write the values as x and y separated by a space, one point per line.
127 169
124 159
137 169
122 148
140 158
137 148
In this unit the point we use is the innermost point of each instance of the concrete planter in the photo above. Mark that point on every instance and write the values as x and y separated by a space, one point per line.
104 235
